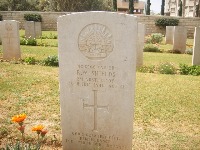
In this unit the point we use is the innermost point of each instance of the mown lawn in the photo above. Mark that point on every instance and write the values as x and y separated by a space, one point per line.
167 107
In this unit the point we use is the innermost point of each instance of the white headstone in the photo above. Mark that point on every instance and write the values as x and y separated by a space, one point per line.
9 30
30 29
180 38
97 63
141 40
38 29
196 47
169 34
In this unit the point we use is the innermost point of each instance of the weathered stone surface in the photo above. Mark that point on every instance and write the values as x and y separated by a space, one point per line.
9 30
97 62
180 38
38 29
169 34
30 29
141 40
196 47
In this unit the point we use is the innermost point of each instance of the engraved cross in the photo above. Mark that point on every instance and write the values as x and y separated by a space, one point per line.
95 106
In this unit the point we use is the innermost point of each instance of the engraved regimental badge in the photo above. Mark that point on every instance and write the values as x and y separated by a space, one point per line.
95 41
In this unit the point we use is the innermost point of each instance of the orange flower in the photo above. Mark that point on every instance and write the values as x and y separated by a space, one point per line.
19 118
38 128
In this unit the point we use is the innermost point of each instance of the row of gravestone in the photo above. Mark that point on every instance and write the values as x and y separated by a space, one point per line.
9 35
177 35
97 69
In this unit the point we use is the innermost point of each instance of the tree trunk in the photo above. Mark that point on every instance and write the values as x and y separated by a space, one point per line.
115 5
131 7
163 8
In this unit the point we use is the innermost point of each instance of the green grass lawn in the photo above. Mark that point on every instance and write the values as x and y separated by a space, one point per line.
167 107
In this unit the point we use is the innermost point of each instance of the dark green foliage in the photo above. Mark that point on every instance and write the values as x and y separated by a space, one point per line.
115 5
51 61
197 10
167 68
33 17
151 48
28 41
189 70
180 10
166 22
131 7
163 7
148 10
1 17
176 51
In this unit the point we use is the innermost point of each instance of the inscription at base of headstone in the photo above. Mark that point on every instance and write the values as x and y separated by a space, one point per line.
97 63
180 38
10 39
141 40
196 47
169 34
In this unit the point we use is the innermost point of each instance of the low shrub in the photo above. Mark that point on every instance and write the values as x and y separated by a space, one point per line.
33 17
30 60
189 70
154 38
163 22
167 68
189 51
50 36
151 48
28 41
147 69
174 51
51 61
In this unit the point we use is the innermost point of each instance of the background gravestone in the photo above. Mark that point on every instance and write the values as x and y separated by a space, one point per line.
97 62
29 27
38 29
169 34
10 39
196 47
141 40
180 38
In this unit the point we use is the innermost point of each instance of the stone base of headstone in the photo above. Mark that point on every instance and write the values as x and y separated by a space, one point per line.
196 47
9 30
141 40
169 34
179 39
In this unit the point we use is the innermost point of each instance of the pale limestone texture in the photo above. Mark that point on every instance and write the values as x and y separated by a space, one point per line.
9 30
169 34
141 40
97 63
180 38
196 47
38 29
29 27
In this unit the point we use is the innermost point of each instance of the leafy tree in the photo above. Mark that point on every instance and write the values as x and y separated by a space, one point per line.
180 8
163 7
148 7
115 5
131 7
